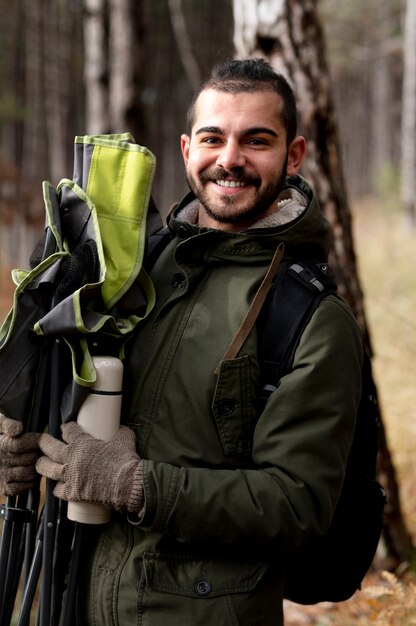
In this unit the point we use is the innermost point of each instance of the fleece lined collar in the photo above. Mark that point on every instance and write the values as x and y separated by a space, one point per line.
290 204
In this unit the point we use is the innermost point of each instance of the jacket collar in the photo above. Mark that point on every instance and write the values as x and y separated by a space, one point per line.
290 204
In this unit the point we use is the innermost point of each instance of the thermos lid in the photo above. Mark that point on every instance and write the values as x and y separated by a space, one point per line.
109 371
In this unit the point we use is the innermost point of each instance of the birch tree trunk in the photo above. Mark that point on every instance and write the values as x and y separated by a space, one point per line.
409 114
288 33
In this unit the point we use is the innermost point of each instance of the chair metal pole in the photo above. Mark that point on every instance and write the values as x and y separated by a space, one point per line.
16 516
68 612
64 539
50 510
31 532
5 544
32 582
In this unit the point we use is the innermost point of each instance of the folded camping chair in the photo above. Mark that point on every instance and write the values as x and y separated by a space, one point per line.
85 293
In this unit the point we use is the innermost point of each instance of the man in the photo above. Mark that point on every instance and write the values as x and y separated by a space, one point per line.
212 491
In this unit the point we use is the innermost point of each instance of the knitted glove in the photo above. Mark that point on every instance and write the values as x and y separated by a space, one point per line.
90 470
18 455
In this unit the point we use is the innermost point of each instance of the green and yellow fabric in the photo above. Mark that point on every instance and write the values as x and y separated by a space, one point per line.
89 282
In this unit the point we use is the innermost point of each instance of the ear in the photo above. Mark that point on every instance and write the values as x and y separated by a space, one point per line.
295 155
185 140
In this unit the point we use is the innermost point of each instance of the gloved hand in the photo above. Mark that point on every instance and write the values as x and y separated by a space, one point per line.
91 470
18 455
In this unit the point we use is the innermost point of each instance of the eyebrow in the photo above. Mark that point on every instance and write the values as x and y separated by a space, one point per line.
255 130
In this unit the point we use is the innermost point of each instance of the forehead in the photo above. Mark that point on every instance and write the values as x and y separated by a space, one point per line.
232 110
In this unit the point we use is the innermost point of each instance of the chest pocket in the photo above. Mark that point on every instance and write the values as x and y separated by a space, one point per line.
233 405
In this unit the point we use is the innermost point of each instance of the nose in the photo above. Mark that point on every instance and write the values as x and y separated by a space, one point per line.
231 156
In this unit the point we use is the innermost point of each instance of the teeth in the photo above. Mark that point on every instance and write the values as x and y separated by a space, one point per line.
229 183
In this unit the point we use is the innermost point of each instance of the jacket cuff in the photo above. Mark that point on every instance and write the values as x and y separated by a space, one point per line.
161 482
136 499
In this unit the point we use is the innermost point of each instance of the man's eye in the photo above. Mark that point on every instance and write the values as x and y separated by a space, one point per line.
257 142
211 140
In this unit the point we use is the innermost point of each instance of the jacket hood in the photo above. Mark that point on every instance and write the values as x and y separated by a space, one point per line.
298 222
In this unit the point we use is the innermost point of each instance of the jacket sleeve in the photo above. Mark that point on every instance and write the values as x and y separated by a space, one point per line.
300 447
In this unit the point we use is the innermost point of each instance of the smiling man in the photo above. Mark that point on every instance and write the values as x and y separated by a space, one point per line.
212 489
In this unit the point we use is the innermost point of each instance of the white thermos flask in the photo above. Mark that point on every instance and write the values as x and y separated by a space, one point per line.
99 416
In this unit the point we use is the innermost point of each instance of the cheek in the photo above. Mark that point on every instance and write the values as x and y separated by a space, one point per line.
268 174
199 161
270 171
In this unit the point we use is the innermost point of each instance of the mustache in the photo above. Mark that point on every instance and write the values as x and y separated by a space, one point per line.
214 174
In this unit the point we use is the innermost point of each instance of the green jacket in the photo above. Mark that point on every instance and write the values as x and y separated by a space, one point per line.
230 490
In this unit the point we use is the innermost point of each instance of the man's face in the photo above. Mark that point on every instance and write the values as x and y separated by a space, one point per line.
236 157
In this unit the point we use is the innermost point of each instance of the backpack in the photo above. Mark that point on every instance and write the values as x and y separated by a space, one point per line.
333 568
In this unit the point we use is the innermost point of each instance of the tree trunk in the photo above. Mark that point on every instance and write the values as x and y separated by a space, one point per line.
289 34
382 95
409 114
56 42
96 68
183 43
34 157
122 63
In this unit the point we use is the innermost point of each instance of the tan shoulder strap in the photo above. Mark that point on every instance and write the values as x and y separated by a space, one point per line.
254 309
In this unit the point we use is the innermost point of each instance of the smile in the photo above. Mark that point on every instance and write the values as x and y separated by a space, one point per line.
229 183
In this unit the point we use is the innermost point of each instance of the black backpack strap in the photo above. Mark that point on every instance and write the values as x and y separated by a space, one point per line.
294 296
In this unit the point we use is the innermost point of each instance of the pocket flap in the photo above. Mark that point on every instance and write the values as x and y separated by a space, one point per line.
198 578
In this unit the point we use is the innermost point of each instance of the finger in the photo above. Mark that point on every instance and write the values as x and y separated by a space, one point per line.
10 427
18 480
15 489
53 448
19 445
16 460
29 442
71 431
59 491
22 474
126 437
49 469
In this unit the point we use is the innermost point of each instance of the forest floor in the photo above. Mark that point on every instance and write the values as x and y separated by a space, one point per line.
387 268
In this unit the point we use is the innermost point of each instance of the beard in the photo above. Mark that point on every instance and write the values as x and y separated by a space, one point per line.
228 210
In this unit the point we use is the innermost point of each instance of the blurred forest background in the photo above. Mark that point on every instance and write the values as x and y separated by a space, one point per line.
69 67
75 67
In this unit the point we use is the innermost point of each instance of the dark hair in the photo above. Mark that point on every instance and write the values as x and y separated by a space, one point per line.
250 75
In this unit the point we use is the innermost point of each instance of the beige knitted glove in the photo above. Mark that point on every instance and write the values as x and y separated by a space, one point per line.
18 455
90 470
